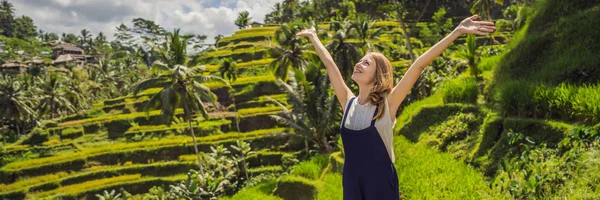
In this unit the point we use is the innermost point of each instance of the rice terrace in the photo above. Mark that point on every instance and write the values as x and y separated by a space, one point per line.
262 99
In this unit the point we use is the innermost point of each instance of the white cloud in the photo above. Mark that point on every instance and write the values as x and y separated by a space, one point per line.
209 17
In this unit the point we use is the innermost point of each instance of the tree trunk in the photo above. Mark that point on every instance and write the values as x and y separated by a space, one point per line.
18 131
306 146
324 147
406 33
4 136
237 125
414 90
195 145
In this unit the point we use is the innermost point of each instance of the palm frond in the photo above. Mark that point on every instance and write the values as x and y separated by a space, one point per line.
151 83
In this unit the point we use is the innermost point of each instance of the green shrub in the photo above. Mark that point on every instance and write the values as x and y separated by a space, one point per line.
71 133
462 90
583 184
36 137
546 132
288 161
455 129
92 128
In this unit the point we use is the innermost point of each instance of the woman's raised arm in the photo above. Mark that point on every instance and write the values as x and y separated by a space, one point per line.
467 26
341 90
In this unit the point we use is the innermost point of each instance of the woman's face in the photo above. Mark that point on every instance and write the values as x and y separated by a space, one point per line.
364 70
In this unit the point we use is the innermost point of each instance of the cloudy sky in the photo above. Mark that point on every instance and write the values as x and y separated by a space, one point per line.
209 17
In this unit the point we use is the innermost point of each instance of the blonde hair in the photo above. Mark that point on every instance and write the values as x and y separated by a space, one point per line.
383 82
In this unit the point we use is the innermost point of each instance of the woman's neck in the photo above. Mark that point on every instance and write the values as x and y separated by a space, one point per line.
363 94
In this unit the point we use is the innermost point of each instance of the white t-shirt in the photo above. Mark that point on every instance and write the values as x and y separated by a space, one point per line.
360 116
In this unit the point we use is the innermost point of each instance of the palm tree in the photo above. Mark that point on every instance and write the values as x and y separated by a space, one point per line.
275 15
314 110
181 85
53 96
75 94
100 39
345 53
469 54
367 32
85 35
42 35
243 19
228 69
7 11
14 104
290 52
109 74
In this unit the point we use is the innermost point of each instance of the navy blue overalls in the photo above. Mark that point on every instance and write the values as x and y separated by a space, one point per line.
368 173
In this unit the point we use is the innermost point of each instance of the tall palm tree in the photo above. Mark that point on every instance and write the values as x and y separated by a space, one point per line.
243 19
290 52
275 15
7 11
484 7
53 96
469 53
314 110
181 85
345 53
85 35
75 94
109 74
367 33
100 39
42 35
14 103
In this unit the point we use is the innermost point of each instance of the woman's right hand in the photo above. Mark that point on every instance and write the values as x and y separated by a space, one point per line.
307 32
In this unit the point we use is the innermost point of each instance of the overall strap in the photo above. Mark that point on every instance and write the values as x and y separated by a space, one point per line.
346 111
374 114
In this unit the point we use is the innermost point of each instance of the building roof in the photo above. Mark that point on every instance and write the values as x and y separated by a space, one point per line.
13 65
63 58
68 47
36 61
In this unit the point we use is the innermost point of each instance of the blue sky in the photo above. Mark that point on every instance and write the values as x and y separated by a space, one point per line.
209 17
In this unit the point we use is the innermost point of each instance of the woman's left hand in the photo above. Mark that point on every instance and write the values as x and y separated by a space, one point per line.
471 26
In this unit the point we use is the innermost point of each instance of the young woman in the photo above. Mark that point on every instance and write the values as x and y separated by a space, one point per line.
368 120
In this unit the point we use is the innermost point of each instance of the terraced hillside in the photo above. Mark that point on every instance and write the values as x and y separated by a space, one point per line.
117 144
528 130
